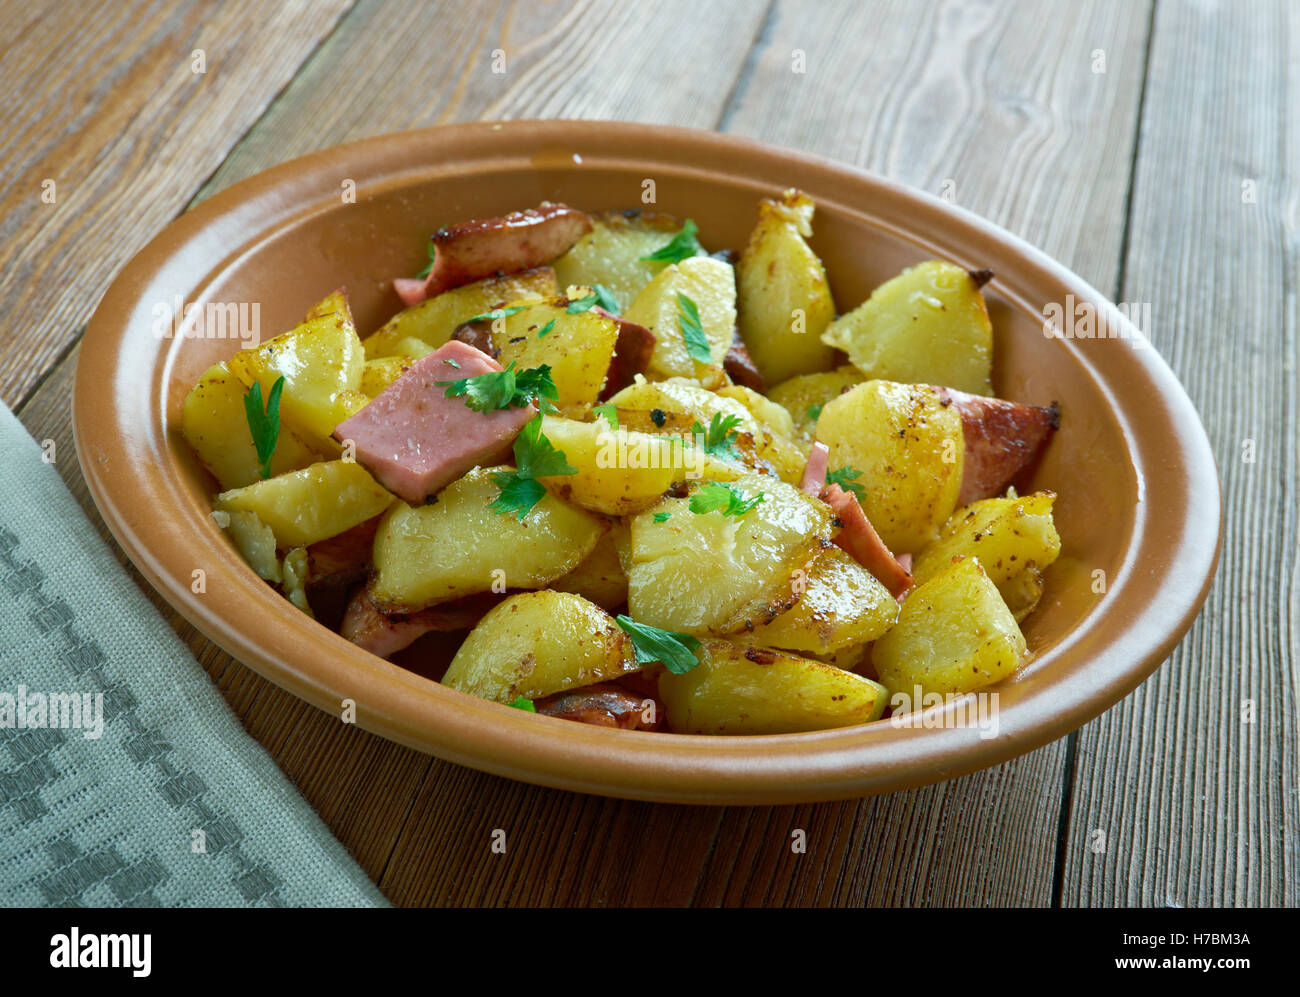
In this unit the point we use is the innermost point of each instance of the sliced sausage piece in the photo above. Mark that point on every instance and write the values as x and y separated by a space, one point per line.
740 367
476 334
415 439
603 705
343 559
632 352
482 247
814 472
859 539
1001 439
385 634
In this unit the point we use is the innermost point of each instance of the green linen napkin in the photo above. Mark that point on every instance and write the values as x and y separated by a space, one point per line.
125 779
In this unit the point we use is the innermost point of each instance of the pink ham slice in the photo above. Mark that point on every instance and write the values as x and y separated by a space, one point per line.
814 472
860 540
385 634
632 352
1001 439
480 248
415 439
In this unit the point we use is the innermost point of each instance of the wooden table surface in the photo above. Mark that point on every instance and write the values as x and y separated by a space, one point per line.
1152 147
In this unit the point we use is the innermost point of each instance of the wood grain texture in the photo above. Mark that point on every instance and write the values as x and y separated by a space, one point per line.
118 120
1183 797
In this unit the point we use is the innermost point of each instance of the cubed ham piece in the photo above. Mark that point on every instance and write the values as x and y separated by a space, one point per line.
603 705
814 472
480 248
385 634
1001 439
415 439
859 539
740 367
632 352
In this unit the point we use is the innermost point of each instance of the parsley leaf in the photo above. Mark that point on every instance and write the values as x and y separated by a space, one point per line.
675 651
605 298
497 313
535 457
719 438
844 477
501 389
264 425
523 703
723 497
662 517
697 344
545 329
815 412
582 304
432 250
607 412
450 362
682 246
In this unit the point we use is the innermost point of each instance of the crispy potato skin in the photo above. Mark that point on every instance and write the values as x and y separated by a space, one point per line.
537 644
908 445
954 635
784 298
749 690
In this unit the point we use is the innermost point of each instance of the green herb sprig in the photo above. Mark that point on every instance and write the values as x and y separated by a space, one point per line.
264 425
535 457
682 246
674 651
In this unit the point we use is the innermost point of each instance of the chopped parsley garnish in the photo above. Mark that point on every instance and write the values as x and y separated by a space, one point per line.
525 704
844 477
662 517
541 333
501 389
497 313
675 651
582 304
535 457
607 412
814 412
697 344
719 438
605 298
432 249
264 425
723 497
682 246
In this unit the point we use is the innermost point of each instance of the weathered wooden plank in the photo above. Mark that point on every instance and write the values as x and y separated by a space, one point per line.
115 117
1188 794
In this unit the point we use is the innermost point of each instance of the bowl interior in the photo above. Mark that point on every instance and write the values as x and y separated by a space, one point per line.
286 238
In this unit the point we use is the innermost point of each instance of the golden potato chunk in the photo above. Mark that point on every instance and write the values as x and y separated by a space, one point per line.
928 325
840 605
254 541
612 253
805 396
433 320
784 297
709 572
458 546
536 644
739 689
379 373
954 635
711 285
600 577
215 423
619 472
1014 538
315 503
908 447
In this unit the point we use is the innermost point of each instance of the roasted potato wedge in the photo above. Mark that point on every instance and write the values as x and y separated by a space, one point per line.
254 541
433 320
784 298
928 325
379 373
805 396
214 423
954 635
908 446
613 253
536 644
600 577
458 546
741 689
315 503
771 414
711 285
840 605
1014 539
710 573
